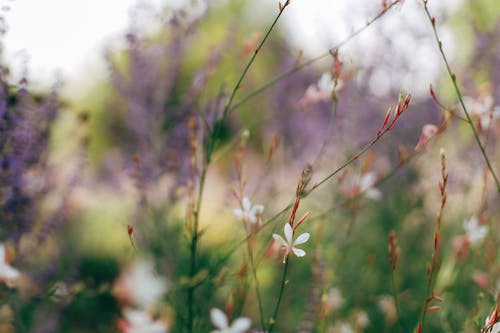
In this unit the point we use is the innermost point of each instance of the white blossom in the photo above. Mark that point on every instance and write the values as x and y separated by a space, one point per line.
475 232
366 186
493 329
139 285
483 108
221 322
325 83
289 243
321 91
248 212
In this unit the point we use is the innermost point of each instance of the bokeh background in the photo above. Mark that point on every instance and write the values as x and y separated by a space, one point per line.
96 104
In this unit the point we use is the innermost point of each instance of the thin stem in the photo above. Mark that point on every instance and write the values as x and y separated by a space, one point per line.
194 250
208 155
278 302
459 95
257 288
238 84
433 269
312 60
329 130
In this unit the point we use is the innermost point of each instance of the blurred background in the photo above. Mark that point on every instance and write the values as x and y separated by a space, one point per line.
101 103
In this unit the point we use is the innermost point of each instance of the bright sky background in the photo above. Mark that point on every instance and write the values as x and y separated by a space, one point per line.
68 36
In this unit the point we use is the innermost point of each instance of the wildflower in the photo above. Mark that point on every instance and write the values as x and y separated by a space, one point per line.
138 285
140 321
289 243
221 322
325 83
321 91
249 213
491 324
366 186
475 232
483 110
7 272
334 300
495 328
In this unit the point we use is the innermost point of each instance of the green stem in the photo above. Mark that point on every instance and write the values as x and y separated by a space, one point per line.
460 97
278 302
194 250
229 102
257 288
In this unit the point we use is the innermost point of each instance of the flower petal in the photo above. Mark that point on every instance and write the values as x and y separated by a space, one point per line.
218 318
367 181
495 328
7 272
299 252
247 205
238 213
280 240
288 233
302 238
2 253
257 210
240 325
373 193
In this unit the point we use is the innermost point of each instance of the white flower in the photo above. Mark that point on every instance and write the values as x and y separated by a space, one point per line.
321 91
483 108
289 243
139 321
220 321
249 213
7 272
475 231
487 117
366 186
325 83
139 285
493 329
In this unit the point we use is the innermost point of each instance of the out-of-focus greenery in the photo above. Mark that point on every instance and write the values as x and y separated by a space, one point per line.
111 199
